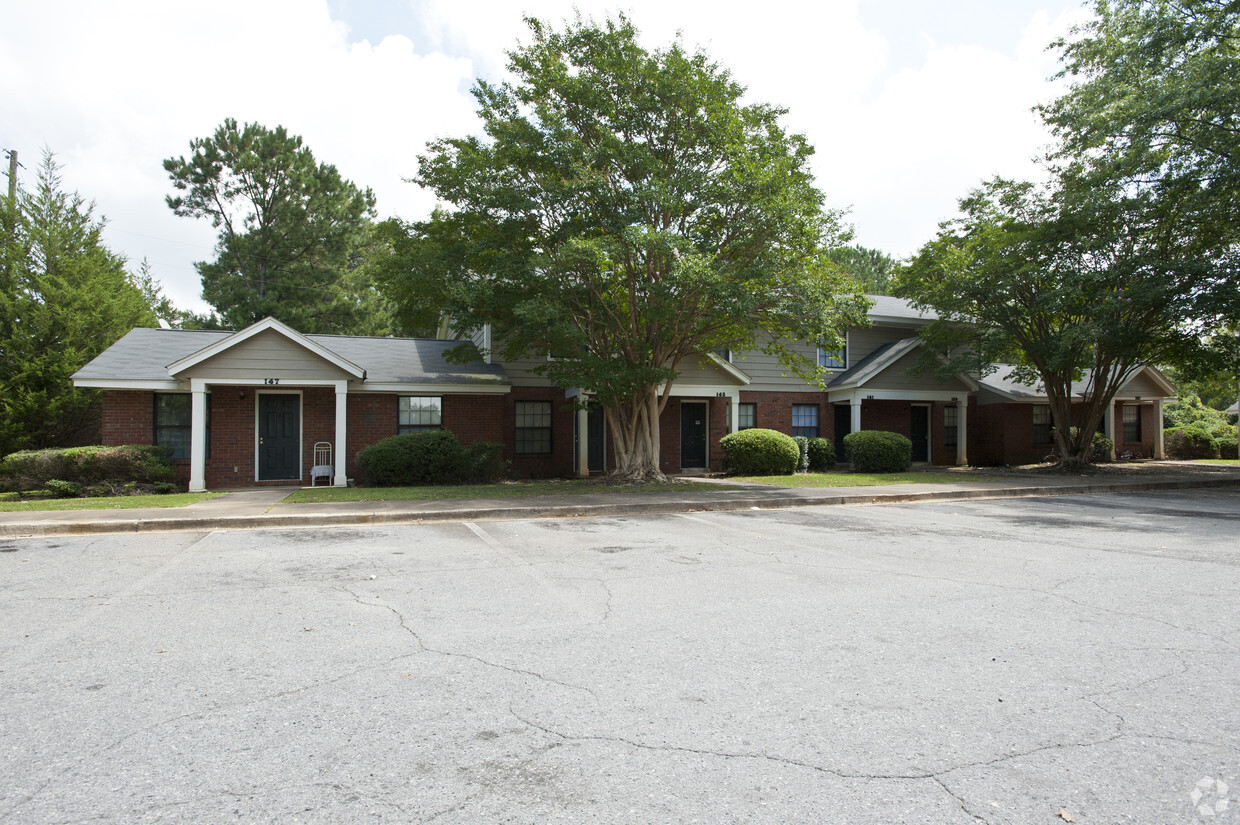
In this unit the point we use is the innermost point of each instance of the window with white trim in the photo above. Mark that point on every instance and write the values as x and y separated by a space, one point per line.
951 424
836 359
746 415
805 420
419 413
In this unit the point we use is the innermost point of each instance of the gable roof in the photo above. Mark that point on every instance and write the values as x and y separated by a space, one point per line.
143 357
891 310
222 345
1000 382
881 360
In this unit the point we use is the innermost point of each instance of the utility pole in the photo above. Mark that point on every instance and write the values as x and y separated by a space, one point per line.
12 178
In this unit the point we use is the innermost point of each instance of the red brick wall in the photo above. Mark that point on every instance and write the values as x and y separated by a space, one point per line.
128 417
774 410
559 462
371 417
232 438
1149 431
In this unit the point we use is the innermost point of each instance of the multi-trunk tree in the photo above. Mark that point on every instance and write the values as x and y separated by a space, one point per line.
1129 256
1069 286
626 212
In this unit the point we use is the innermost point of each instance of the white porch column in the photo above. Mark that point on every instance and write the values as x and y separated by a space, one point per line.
583 443
854 407
1108 426
198 436
962 431
340 453
734 426
1159 452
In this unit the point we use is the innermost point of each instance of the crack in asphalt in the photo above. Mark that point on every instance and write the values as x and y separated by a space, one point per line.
422 645
935 776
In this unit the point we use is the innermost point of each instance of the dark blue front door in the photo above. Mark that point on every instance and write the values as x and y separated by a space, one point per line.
692 434
279 437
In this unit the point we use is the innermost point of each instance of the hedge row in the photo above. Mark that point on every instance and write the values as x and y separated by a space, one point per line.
140 463
1194 441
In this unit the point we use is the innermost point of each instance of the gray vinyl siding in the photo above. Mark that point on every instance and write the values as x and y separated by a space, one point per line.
862 342
1143 386
520 372
267 355
767 374
479 337
695 372
896 377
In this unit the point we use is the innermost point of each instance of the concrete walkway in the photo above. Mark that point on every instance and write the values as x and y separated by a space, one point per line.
264 508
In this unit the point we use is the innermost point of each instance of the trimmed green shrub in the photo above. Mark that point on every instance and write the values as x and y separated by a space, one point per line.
64 489
759 452
878 451
1190 442
1100 448
821 455
433 457
141 463
1227 448
803 450
485 461
163 488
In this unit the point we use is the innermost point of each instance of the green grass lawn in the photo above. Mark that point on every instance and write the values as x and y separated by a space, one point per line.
1226 462
10 504
504 489
844 479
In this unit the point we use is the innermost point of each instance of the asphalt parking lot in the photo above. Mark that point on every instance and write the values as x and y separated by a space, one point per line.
1008 661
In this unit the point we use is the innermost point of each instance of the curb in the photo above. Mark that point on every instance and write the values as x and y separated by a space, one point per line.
38 529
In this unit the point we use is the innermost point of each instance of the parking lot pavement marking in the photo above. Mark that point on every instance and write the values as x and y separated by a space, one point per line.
72 628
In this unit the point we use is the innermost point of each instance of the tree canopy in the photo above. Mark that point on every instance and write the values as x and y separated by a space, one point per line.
626 211
292 231
1067 284
65 297
872 268
1154 105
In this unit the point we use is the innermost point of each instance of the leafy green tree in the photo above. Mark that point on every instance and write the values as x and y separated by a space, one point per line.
1066 284
1189 411
1217 390
67 297
625 211
872 268
290 229
1154 106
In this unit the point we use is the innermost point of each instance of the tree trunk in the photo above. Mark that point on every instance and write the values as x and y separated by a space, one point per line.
634 426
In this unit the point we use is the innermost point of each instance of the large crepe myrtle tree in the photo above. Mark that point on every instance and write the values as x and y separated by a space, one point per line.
625 211
1073 285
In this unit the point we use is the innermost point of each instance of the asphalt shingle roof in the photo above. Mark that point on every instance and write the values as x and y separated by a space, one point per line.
144 355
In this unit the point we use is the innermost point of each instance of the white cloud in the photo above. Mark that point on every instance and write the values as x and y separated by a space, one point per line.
115 94
114 89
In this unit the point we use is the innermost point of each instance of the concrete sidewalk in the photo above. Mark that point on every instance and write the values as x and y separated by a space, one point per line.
264 508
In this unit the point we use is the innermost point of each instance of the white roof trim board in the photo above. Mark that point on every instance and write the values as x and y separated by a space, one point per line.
249 332
731 369
1000 384
879 362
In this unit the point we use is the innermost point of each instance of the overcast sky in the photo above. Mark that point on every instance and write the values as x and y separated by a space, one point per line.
909 103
